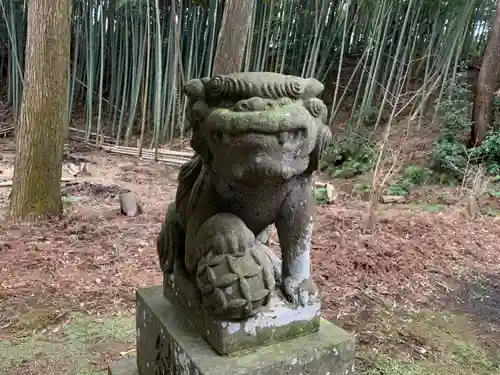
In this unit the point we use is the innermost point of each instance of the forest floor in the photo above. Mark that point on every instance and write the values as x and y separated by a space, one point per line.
421 291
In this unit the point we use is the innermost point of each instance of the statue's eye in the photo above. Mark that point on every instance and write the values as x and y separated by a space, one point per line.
290 136
294 134
241 106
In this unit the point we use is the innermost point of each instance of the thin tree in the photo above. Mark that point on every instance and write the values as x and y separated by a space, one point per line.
236 21
482 113
42 126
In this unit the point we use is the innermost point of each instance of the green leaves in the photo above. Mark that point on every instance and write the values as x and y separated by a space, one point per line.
413 175
321 196
348 157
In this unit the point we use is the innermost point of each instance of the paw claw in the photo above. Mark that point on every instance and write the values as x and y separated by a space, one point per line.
302 293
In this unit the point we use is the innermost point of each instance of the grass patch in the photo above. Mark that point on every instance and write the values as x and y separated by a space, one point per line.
72 349
321 196
413 176
395 343
389 366
427 207
434 207
427 343
86 332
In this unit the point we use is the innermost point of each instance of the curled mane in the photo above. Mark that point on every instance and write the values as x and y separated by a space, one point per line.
188 175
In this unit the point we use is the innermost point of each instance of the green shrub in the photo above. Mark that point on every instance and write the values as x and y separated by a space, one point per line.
412 176
348 157
367 117
417 175
450 154
321 196
451 158
488 153
454 157
399 188
455 108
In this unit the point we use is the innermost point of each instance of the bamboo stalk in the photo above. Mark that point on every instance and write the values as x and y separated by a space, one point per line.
130 57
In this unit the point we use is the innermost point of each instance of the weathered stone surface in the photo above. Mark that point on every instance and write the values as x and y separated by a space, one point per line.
129 204
258 137
126 366
166 344
276 322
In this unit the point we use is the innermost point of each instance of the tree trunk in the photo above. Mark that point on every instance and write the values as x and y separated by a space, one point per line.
42 127
232 38
482 112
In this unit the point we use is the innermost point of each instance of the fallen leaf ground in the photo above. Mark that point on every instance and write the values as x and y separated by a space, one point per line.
421 292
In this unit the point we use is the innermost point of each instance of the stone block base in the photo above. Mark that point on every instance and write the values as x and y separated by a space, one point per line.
126 366
278 322
166 344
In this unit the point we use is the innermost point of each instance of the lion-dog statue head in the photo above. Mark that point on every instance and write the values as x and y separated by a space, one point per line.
251 127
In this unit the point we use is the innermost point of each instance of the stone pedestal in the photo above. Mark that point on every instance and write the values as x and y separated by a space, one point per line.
168 344
278 322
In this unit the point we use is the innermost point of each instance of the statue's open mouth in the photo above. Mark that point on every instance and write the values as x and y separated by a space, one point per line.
288 125
289 118
292 136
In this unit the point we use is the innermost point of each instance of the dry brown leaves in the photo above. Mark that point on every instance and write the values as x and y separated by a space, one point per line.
94 258
403 259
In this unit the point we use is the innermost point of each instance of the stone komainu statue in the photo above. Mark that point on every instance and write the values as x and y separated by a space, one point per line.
258 137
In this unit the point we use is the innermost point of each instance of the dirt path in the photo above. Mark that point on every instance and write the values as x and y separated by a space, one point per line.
420 292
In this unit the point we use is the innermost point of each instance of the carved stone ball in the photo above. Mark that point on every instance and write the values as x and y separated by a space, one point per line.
236 286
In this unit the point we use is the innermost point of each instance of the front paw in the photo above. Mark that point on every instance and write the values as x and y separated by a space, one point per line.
302 293
232 236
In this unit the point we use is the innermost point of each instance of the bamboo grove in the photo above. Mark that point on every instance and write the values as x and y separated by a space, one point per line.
131 57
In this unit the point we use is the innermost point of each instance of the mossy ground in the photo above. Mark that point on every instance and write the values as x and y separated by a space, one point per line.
428 343
396 342
79 346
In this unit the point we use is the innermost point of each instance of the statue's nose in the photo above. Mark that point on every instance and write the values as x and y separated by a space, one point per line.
254 104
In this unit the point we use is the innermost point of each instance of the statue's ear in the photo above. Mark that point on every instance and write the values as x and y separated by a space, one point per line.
196 111
322 142
195 88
